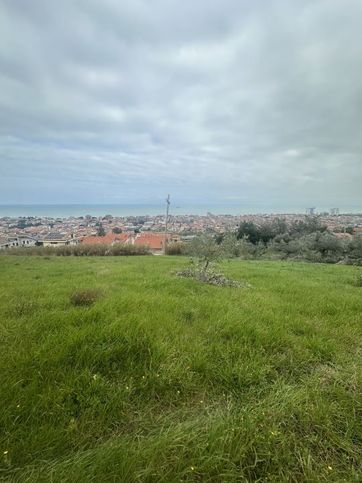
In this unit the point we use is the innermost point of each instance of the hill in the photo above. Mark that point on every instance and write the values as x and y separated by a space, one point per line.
166 379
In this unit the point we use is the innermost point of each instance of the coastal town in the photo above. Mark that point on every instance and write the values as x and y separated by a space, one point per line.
146 230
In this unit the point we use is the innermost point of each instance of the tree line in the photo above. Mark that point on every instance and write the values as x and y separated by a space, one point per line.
306 239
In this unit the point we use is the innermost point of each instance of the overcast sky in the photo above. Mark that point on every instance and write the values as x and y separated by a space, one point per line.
112 101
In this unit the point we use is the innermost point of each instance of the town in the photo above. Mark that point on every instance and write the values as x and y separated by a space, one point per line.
147 230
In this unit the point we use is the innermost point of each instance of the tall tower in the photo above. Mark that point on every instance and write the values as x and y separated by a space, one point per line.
311 211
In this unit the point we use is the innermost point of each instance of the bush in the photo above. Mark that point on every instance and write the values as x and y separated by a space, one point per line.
211 277
99 250
354 251
205 249
261 233
359 280
120 249
318 247
84 298
176 248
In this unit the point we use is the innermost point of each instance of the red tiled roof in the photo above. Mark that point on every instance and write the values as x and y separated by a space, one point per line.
343 235
108 239
155 241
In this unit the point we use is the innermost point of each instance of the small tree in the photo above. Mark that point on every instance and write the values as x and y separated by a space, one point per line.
249 230
261 233
101 230
205 249
355 250
311 224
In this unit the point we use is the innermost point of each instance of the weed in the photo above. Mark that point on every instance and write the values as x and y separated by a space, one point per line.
359 280
22 307
118 249
84 297
210 276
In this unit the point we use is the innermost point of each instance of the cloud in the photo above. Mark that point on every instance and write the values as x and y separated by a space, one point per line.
208 100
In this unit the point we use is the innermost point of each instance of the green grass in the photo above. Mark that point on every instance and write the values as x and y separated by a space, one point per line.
165 379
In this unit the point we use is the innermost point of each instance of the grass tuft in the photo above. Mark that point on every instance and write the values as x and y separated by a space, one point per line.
359 280
85 298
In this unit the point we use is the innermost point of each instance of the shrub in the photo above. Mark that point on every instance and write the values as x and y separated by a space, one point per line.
120 249
233 247
261 233
211 277
176 248
84 298
204 249
359 280
99 250
318 247
355 251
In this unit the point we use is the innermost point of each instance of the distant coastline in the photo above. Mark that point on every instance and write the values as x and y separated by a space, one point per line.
76 210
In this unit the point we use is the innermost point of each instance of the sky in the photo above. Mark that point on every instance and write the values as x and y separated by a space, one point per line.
229 101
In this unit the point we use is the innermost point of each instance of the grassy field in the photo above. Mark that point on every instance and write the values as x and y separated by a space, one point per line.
165 379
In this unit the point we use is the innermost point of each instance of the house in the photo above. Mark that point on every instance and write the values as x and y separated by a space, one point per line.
155 241
108 239
18 241
343 236
58 239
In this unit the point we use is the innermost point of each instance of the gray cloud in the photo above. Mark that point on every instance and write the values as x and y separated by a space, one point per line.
235 100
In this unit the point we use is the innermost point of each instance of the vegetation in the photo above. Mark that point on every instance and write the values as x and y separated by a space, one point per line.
175 248
206 253
85 297
303 240
359 280
268 231
118 249
166 379
210 275
100 230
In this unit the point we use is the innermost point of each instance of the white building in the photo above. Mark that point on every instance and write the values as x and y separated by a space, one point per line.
58 239
18 241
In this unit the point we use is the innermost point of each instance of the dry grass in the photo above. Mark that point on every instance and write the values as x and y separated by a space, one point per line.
84 298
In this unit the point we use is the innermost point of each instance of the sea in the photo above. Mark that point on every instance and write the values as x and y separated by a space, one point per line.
76 210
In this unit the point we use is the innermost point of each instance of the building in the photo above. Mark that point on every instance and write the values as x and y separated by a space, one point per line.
18 241
156 241
58 239
108 239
